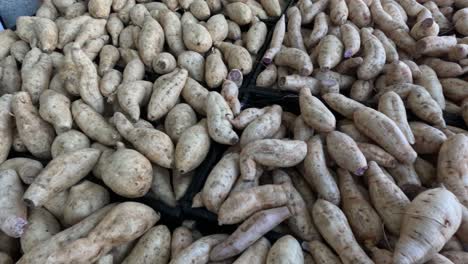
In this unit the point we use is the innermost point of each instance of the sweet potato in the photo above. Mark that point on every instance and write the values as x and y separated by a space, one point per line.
249 232
6 126
42 225
198 251
392 106
60 174
256 253
220 182
164 63
84 199
332 224
192 147
262 127
437 212
11 79
166 91
178 120
36 73
36 134
300 222
7 38
13 216
196 37
344 150
296 59
181 238
93 124
315 113
451 170
153 246
363 219
136 217
284 250
239 206
457 257
194 63
342 104
422 105
317 174
388 199
218 115
331 51
374 58
68 142
264 152
384 131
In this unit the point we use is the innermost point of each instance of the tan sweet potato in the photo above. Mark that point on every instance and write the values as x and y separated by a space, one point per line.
136 217
84 199
286 249
13 212
317 174
333 226
315 113
239 206
436 213
42 225
385 132
36 134
388 199
363 219
166 91
220 182
249 232
300 222
93 124
255 254
344 150
451 169
60 174
153 246
264 152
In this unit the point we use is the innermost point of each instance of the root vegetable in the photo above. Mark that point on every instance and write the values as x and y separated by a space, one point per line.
42 225
192 147
435 213
36 134
329 219
317 174
93 124
68 142
249 232
239 206
83 200
384 131
264 152
132 216
153 246
13 216
166 91
286 249
315 113
220 182
363 219
388 199
218 116
451 170
60 174
154 144
199 251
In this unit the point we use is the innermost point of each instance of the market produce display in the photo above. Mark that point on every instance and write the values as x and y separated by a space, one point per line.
225 131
